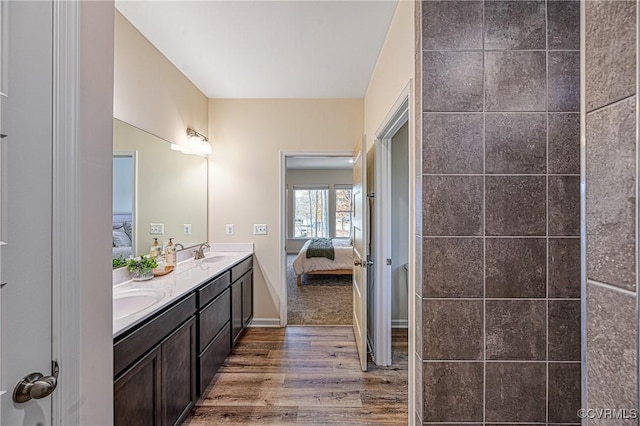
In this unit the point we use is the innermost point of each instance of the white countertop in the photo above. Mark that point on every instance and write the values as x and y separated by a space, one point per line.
188 275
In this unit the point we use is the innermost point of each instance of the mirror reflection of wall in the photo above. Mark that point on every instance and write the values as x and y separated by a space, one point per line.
123 204
170 189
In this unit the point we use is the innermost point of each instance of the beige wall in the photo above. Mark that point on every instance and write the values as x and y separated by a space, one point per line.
171 188
393 70
399 223
248 136
150 92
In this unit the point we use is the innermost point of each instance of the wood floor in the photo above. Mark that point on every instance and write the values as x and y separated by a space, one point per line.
307 375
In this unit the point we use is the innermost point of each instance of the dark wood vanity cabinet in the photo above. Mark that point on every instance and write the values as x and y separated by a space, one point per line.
159 388
163 364
247 298
241 298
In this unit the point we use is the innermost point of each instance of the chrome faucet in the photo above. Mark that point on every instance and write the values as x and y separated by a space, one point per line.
175 246
199 252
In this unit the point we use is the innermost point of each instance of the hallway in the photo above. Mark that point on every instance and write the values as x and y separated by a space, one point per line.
307 375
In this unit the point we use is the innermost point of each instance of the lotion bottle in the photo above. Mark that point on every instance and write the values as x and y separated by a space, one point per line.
170 254
155 249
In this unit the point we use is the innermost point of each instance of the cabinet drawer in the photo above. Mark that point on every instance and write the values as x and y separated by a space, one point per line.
208 292
133 346
212 318
212 357
241 268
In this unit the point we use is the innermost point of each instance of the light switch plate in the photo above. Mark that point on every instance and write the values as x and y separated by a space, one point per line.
156 228
187 229
259 229
229 228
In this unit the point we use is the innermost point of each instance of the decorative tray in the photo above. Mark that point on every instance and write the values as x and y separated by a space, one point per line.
167 269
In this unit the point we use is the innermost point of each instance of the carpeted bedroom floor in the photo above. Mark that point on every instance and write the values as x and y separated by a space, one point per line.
320 300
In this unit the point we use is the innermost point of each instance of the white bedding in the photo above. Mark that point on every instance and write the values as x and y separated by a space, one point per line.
343 259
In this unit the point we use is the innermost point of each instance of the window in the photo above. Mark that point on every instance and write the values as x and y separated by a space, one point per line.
343 211
311 212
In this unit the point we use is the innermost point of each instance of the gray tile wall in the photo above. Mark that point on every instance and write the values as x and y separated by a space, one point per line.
611 153
498 229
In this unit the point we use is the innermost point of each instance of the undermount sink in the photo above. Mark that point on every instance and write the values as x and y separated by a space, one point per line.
129 302
216 259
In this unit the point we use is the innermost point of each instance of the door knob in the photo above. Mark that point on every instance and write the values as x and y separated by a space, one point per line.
36 385
357 262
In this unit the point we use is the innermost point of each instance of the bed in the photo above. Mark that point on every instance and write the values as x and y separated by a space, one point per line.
122 235
341 265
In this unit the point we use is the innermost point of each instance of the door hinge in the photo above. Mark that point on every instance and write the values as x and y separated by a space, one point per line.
388 262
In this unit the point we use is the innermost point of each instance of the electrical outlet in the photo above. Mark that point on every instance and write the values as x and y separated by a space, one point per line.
259 229
156 228
229 228
187 229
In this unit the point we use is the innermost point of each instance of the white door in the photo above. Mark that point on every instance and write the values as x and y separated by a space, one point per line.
360 244
26 207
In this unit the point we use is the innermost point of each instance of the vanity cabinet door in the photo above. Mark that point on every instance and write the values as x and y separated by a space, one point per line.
236 310
136 393
247 298
178 373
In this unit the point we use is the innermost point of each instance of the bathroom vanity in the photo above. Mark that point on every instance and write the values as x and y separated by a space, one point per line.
166 354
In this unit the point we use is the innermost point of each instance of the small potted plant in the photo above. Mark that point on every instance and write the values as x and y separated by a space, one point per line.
141 267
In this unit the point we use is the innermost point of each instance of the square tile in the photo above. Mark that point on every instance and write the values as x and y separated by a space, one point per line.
449 25
453 143
453 391
564 330
564 81
610 52
516 267
453 267
611 196
564 205
452 205
516 392
564 143
516 143
452 81
516 205
563 24
516 329
514 25
418 386
515 81
612 333
564 392
564 267
453 329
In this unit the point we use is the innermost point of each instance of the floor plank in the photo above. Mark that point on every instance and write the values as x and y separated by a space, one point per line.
306 375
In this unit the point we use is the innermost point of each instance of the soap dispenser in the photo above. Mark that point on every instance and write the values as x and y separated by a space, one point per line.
155 249
170 254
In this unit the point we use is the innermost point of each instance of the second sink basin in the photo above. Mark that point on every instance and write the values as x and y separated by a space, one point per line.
216 259
129 302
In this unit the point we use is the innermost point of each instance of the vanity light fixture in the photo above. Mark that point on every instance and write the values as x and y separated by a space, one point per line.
197 143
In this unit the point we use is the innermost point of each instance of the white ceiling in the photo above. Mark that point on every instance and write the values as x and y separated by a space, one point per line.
266 48
319 163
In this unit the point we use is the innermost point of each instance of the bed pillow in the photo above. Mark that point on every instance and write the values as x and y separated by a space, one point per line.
120 238
127 229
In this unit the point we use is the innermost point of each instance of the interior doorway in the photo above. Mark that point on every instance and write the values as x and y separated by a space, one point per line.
315 204
392 247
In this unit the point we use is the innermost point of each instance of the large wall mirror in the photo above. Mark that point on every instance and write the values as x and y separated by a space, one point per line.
154 184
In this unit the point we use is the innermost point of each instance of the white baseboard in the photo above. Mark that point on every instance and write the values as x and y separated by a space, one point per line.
265 322
399 324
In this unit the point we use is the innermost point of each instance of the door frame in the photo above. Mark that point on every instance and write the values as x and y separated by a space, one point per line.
66 292
399 114
283 218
